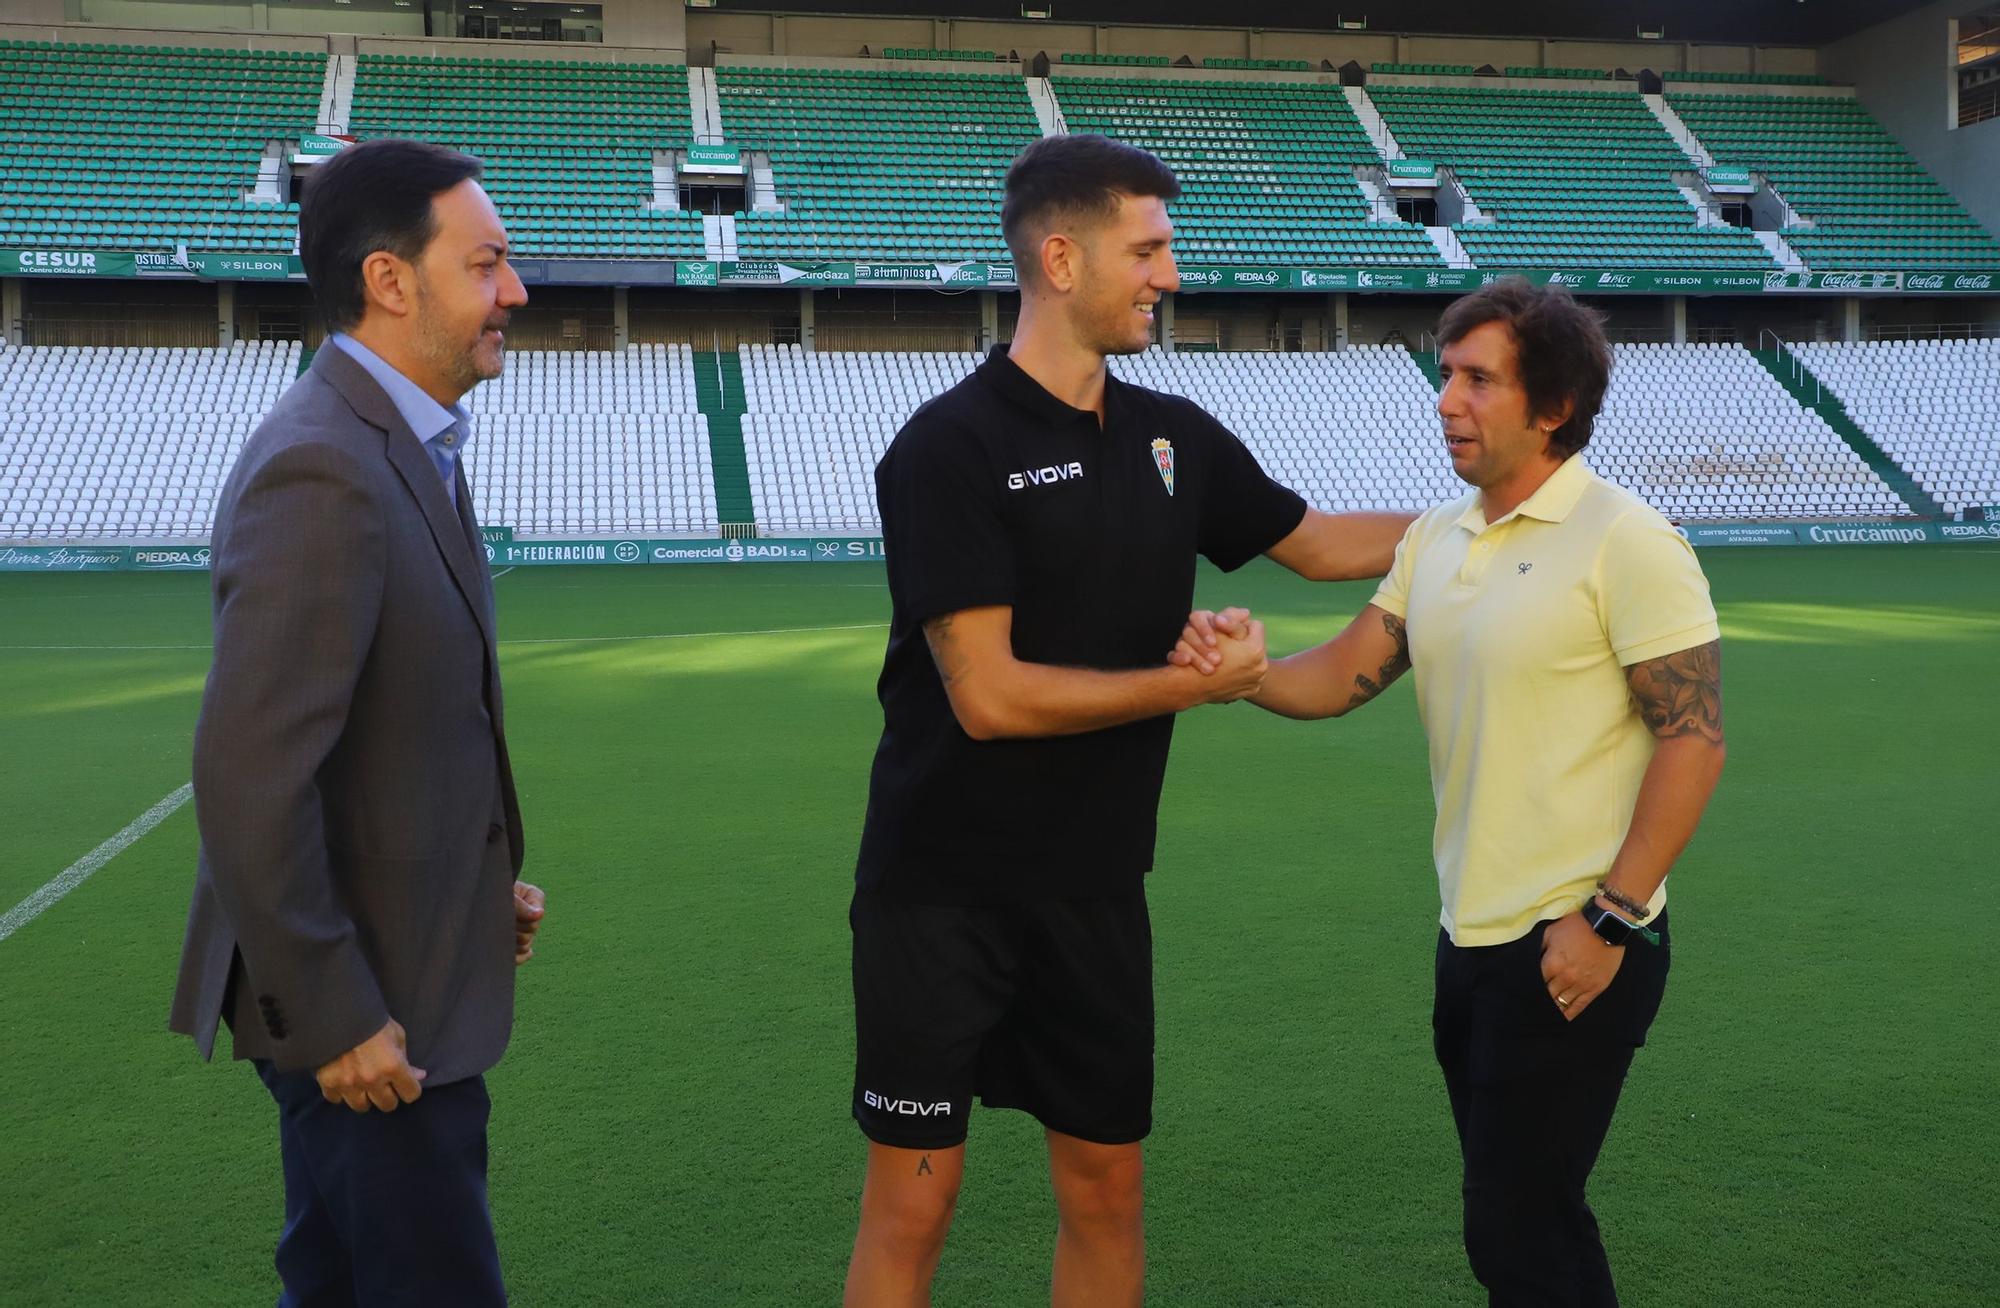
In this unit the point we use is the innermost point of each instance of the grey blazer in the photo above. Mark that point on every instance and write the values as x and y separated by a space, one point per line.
359 830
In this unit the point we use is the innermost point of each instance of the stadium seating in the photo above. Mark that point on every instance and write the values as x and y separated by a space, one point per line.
605 443
1705 432
1118 60
115 147
1750 79
819 422
1702 432
105 444
960 56
1352 430
1266 168
1261 65
877 164
1870 204
1932 406
123 443
1425 70
1561 74
1567 176
568 146
102 443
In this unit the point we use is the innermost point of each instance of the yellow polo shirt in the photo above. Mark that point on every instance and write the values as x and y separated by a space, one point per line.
1520 632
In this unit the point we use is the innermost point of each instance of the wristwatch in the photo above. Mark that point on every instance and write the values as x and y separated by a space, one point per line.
1613 929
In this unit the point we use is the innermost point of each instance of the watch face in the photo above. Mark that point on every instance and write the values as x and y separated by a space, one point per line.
1609 927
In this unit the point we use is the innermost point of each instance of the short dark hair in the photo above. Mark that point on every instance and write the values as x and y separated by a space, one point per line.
1559 349
372 196
1070 178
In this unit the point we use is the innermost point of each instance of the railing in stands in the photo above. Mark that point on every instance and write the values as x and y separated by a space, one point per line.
1931 331
1790 363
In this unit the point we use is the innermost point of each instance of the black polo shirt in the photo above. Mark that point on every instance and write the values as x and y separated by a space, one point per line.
998 493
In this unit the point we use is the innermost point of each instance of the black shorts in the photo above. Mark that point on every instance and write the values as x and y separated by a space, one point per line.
1046 1007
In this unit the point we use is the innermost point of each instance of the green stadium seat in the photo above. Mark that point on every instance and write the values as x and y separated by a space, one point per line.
568 145
1566 176
85 106
1266 168
1869 203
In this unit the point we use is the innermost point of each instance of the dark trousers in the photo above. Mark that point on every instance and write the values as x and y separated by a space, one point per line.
1532 1095
384 1208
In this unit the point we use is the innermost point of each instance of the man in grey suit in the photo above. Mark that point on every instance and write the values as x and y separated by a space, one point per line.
357 916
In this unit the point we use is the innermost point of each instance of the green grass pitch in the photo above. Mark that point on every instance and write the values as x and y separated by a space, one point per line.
1814 1122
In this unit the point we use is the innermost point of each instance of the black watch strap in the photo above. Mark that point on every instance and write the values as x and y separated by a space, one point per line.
1613 929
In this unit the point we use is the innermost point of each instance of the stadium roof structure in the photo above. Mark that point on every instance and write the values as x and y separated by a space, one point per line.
1755 22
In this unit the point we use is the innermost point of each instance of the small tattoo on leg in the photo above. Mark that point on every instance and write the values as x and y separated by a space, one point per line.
924 1165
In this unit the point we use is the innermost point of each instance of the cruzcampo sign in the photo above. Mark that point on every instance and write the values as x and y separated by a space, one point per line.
315 144
714 156
1413 172
1728 177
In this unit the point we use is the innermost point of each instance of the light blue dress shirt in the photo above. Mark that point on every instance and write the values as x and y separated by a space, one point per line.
443 431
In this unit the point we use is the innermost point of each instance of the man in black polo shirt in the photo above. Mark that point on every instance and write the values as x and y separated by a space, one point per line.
1042 520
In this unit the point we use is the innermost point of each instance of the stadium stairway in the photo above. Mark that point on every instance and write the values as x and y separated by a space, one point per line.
1816 395
718 390
1428 365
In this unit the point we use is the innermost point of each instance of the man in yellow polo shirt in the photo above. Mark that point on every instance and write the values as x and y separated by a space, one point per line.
1568 671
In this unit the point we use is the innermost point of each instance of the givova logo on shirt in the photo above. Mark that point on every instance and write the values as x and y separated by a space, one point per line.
1043 476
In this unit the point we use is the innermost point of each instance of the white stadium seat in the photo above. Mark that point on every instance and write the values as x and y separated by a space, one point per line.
598 443
105 444
1933 407
1699 431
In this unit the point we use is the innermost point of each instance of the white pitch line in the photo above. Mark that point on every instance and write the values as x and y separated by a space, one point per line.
503 572
79 872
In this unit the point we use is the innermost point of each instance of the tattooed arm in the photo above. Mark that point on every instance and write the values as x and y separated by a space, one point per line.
1341 675
1679 697
997 696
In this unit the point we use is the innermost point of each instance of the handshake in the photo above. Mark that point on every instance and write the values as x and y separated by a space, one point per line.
1228 649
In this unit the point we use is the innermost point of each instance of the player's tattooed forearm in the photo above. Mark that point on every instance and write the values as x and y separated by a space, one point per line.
1680 694
1398 662
924 1165
944 649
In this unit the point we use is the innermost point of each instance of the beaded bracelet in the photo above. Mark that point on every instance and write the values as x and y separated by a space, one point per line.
1637 910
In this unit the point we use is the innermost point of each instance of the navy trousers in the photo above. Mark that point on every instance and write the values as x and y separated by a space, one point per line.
1532 1095
384 1208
